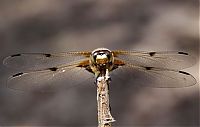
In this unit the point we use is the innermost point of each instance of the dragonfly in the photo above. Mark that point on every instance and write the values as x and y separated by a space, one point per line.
50 71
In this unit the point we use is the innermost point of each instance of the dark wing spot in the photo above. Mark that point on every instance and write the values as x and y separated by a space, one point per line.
53 68
89 69
114 67
184 72
18 74
47 55
148 68
15 55
184 53
152 53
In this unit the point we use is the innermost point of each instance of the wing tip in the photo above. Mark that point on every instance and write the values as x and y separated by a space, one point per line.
6 59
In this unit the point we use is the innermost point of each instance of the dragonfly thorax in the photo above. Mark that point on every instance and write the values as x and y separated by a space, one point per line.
101 59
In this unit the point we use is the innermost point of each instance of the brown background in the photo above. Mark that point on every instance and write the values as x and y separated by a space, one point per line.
65 25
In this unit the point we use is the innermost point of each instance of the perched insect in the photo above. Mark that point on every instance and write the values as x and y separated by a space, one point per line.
64 70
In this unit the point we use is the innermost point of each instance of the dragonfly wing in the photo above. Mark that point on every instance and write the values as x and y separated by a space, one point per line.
152 77
37 61
51 79
166 60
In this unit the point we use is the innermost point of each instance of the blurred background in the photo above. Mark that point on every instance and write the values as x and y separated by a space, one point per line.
71 25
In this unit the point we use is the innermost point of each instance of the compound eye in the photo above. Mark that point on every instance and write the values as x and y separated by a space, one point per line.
108 56
94 57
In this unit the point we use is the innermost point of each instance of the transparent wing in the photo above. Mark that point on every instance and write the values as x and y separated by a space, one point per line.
167 60
37 61
51 79
151 77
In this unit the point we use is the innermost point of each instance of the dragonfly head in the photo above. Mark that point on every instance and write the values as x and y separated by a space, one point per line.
102 57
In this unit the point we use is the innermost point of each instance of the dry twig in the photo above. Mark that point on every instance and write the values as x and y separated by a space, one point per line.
104 116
